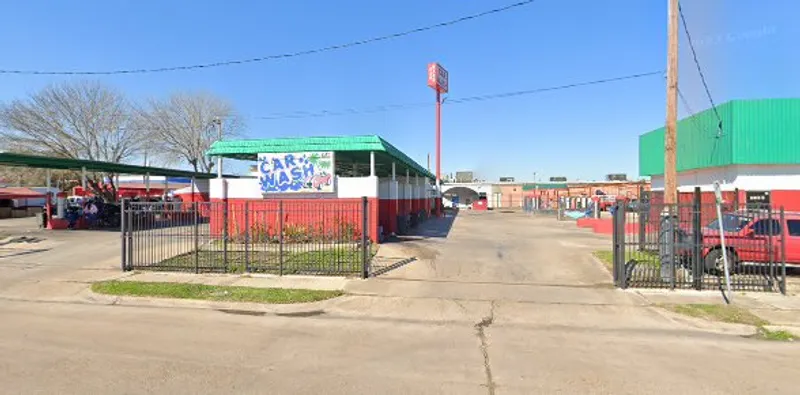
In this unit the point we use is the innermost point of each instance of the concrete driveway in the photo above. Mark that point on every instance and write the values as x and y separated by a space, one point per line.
505 304
37 263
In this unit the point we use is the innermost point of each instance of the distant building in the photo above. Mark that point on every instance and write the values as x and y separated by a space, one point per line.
506 179
617 177
465 176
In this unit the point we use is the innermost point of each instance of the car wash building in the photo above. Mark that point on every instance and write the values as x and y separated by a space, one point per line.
753 152
321 175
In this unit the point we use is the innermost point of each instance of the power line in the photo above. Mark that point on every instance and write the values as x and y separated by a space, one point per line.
395 107
699 69
275 56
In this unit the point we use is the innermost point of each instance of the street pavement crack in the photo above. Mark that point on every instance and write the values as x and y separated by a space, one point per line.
480 328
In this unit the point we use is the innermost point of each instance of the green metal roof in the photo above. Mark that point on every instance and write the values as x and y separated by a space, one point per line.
350 149
754 132
45 162
544 185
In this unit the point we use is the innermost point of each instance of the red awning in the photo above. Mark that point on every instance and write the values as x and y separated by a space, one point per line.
20 193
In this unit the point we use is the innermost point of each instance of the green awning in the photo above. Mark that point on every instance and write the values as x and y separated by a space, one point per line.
46 162
348 149
542 185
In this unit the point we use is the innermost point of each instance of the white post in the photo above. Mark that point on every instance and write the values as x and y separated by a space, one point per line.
166 188
372 163
218 121
147 185
394 171
49 203
83 179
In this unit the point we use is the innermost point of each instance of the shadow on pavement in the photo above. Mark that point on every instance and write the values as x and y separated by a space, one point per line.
432 228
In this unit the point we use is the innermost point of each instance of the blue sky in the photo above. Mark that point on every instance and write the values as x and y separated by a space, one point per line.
747 49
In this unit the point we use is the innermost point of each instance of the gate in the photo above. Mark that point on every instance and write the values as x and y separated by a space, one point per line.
677 246
313 237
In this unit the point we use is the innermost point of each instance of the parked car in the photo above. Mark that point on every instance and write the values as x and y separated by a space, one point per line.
750 237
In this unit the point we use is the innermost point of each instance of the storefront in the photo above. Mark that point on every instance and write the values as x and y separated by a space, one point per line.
752 150
328 172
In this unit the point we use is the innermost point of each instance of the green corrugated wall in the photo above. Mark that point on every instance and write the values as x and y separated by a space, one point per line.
766 131
753 132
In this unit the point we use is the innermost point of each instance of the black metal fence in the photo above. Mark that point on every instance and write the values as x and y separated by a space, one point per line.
270 236
679 246
540 205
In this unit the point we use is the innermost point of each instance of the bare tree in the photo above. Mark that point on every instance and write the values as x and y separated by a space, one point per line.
81 120
182 127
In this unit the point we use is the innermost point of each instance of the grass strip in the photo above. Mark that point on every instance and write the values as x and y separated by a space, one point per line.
217 293
732 315
644 258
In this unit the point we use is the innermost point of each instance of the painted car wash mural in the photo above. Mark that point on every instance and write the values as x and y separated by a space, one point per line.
304 172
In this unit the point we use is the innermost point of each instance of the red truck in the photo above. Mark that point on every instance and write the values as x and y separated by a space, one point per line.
748 238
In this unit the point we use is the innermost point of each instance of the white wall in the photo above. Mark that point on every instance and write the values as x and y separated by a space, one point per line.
385 188
357 187
744 177
345 187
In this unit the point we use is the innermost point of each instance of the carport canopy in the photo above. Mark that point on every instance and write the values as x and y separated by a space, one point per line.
351 153
46 162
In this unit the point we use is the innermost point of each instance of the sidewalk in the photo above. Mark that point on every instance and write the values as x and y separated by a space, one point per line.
782 312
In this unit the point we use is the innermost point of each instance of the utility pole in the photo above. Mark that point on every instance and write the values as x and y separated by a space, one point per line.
218 122
670 130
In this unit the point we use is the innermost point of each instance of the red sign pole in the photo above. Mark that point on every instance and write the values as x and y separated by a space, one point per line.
439 151
438 80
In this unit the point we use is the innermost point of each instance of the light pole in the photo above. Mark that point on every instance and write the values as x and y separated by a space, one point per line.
218 121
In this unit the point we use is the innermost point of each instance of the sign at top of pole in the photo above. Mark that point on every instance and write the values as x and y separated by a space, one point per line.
437 77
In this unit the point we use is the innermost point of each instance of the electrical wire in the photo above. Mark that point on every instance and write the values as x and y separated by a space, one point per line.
699 69
274 56
394 107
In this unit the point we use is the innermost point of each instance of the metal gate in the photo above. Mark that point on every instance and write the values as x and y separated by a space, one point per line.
677 246
313 237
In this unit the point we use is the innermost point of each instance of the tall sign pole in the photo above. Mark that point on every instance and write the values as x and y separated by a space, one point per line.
438 80
670 130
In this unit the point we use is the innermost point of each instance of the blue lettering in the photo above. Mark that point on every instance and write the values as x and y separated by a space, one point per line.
276 164
308 170
297 175
268 182
265 166
289 159
283 179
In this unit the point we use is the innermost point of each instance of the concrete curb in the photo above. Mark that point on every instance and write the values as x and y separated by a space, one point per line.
722 328
90 297
795 331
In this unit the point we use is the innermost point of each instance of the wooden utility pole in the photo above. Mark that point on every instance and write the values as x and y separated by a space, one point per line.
670 130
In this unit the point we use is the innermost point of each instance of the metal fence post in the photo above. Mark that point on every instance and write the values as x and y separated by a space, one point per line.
615 245
621 235
783 252
225 213
642 226
673 250
196 236
280 237
247 236
129 244
770 239
123 236
698 267
364 238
